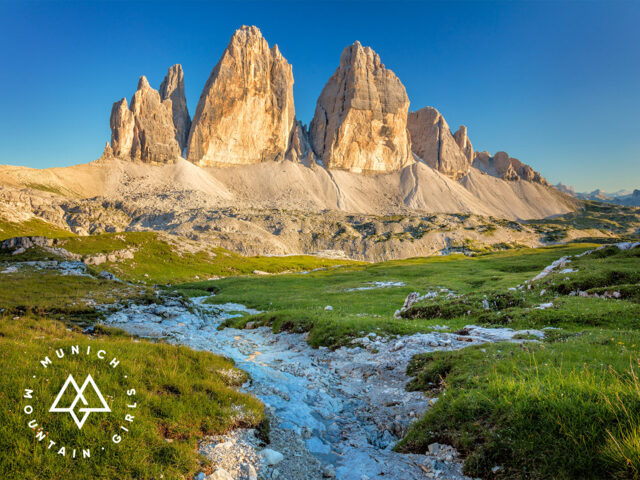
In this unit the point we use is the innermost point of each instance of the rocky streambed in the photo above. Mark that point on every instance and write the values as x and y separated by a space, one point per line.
334 414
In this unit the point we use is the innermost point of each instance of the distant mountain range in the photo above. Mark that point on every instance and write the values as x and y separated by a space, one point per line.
621 197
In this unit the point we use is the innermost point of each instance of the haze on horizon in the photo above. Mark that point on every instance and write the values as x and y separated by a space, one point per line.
554 84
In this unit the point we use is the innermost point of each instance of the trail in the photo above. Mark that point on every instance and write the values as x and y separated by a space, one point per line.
347 408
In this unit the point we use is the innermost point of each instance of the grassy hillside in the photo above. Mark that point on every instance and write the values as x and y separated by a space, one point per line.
182 394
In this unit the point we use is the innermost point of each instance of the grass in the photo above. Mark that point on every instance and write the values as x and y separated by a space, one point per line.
160 259
565 408
46 293
181 395
549 410
297 302
32 227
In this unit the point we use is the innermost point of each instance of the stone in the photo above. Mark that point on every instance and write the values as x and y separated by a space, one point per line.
145 131
172 88
271 457
360 121
106 275
246 113
220 474
329 471
503 166
250 471
432 141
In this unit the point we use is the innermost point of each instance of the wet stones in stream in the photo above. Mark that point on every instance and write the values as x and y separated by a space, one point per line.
333 413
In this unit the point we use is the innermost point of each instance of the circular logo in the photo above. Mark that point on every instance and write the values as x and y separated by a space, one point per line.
78 403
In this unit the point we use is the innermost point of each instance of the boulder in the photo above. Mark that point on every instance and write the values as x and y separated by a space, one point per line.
245 114
432 141
360 121
271 457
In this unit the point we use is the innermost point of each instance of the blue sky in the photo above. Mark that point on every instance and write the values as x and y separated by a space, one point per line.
555 84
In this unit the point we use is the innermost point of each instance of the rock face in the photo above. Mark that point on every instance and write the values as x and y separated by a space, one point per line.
144 132
464 143
432 141
172 88
360 122
299 146
636 194
503 166
245 114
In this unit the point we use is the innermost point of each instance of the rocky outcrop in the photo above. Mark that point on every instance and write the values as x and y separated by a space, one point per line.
360 121
144 132
464 143
172 88
299 146
432 141
122 125
245 114
503 166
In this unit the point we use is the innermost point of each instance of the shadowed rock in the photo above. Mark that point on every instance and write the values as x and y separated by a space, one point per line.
172 88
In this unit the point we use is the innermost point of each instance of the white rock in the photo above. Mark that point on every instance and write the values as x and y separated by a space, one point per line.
220 474
271 457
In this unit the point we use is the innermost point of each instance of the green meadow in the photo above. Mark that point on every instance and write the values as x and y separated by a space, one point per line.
567 407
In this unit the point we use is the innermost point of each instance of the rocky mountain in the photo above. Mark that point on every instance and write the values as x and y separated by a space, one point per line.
245 114
144 132
503 166
271 185
172 88
621 197
432 141
360 122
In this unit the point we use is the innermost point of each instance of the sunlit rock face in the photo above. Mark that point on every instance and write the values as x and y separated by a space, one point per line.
433 142
245 114
145 131
464 143
360 121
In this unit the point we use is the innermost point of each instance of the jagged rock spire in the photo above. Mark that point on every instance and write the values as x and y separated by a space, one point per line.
245 114
360 122
432 141
172 88
145 131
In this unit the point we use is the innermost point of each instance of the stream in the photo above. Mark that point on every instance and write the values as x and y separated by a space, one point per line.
334 414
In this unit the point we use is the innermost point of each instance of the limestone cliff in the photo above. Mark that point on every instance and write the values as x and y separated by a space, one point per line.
432 141
245 114
172 88
360 121
145 131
